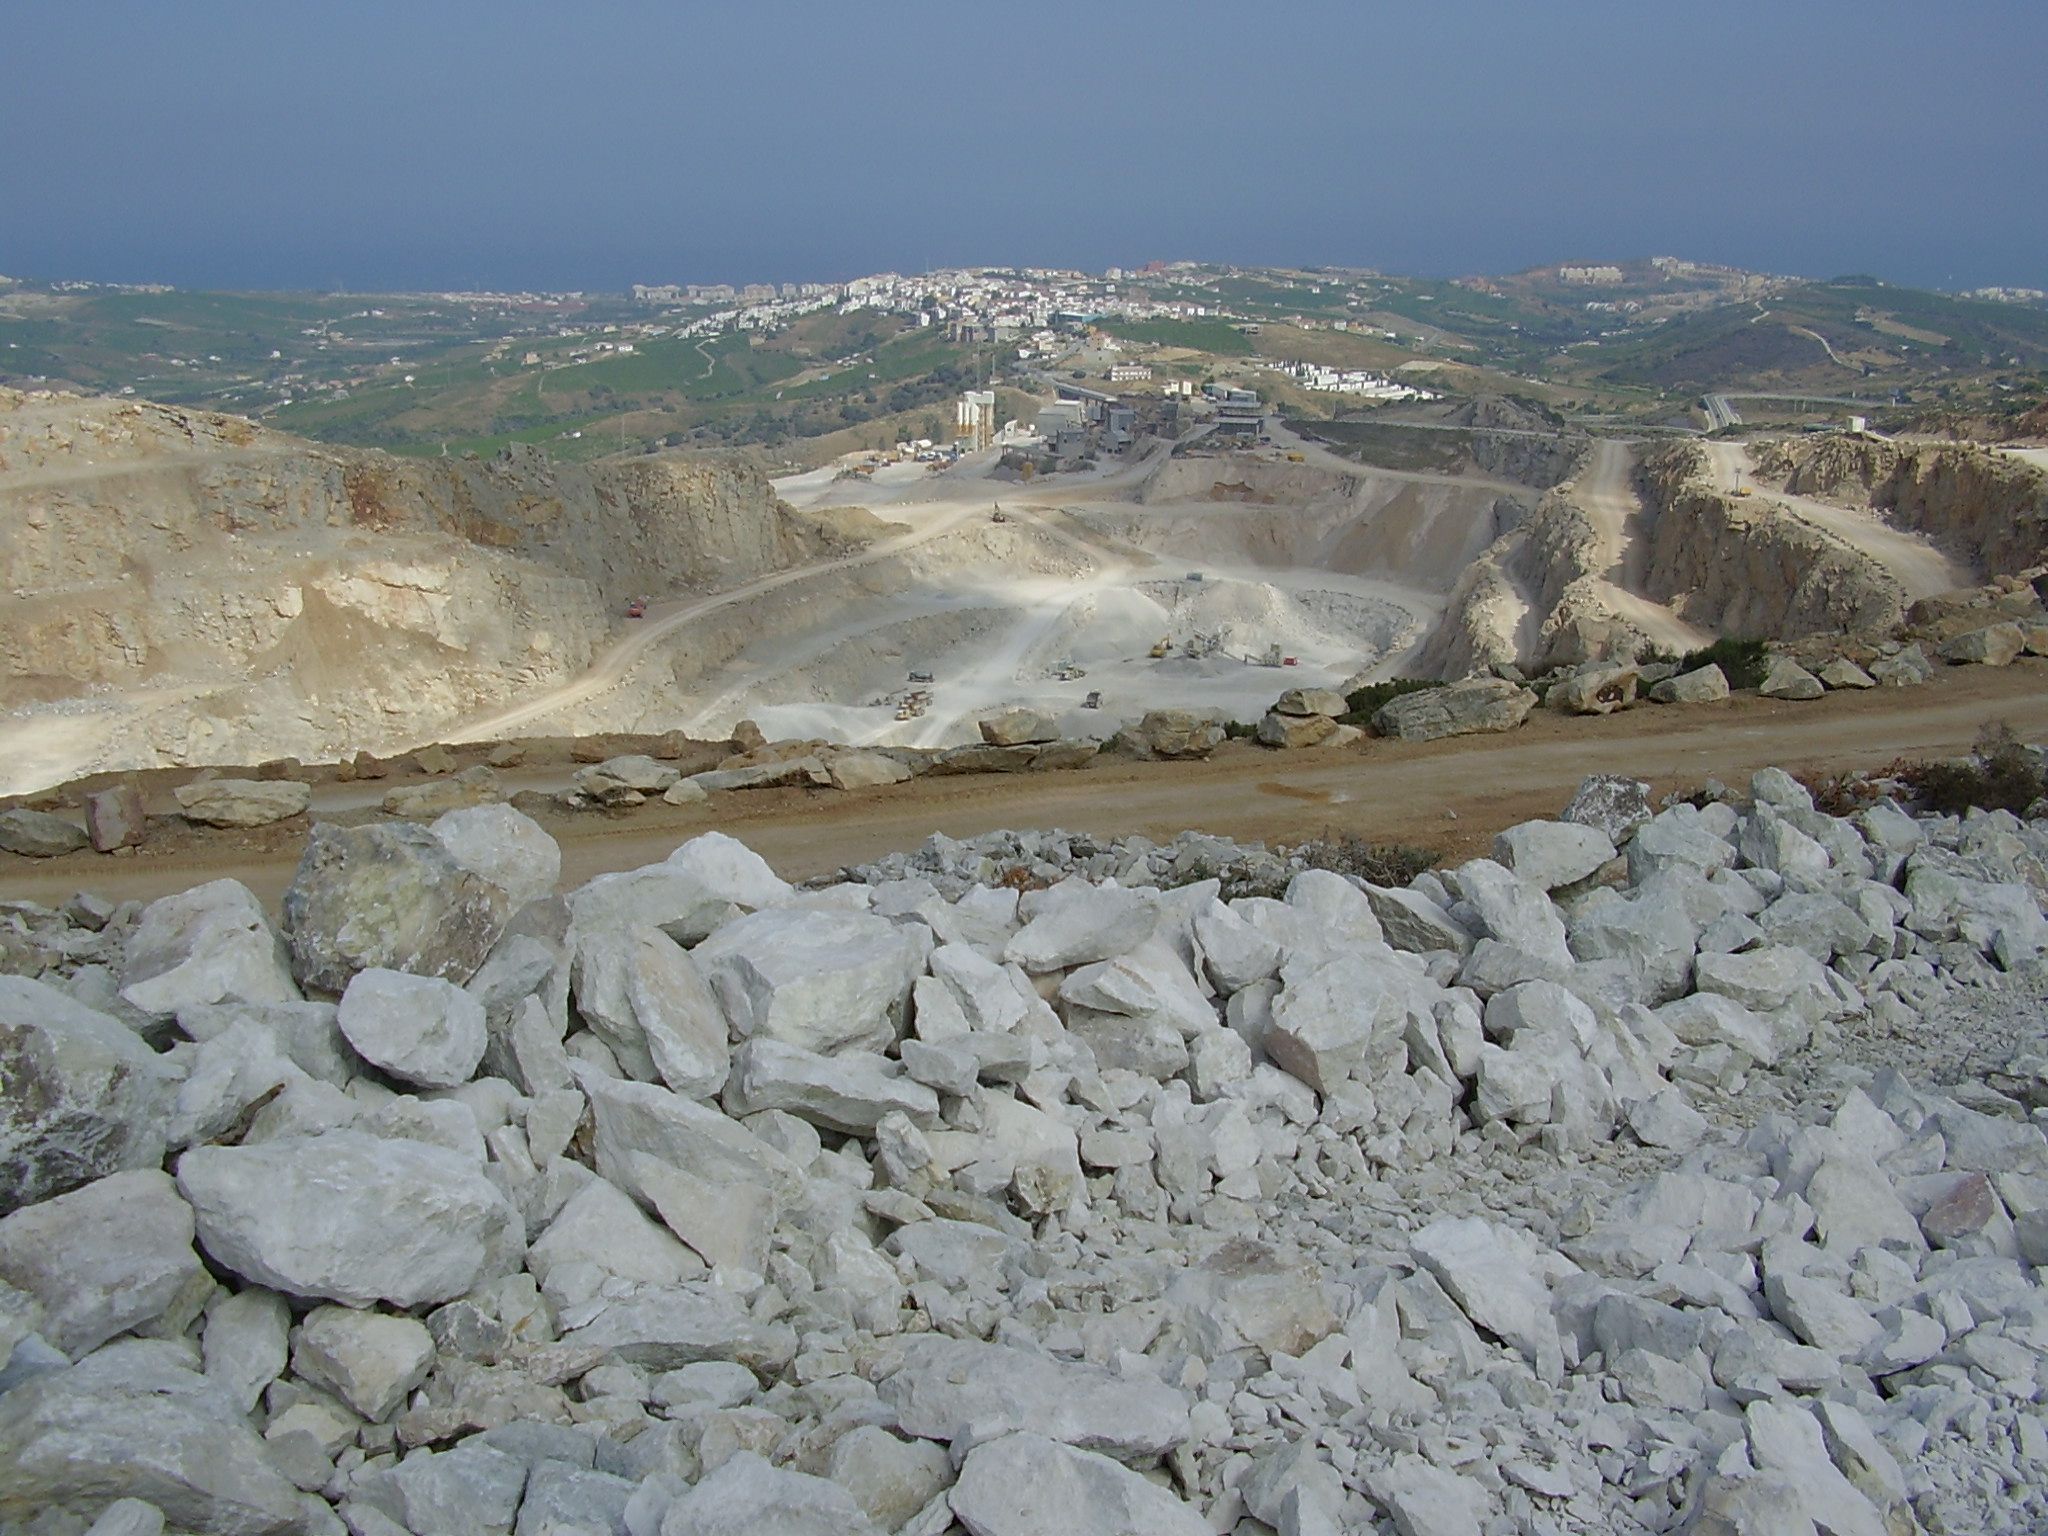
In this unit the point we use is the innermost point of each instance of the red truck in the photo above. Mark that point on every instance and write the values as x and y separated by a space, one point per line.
637 609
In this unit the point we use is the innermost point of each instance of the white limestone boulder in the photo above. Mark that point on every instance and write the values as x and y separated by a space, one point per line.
1075 923
945 1385
370 1360
343 1216
1030 1485
1490 1272
420 1029
850 1092
641 993
822 981
747 1496
111 1256
1552 853
503 846
206 945
134 1421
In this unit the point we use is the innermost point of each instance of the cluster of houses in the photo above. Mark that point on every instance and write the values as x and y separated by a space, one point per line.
1352 381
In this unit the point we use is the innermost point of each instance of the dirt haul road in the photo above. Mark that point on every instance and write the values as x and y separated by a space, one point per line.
1603 490
932 516
1917 565
1449 795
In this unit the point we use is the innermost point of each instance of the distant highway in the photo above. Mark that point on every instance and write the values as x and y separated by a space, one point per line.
1721 411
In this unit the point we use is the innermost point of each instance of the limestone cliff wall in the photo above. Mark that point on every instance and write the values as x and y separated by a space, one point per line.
1985 507
253 594
1732 565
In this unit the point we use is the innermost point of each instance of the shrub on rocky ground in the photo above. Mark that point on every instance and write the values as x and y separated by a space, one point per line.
2001 774
1742 662
1361 704
1374 863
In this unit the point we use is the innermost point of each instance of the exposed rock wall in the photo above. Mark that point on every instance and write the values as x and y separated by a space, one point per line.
1987 507
257 595
1744 569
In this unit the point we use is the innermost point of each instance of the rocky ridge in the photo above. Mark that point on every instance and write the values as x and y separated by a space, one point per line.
1987 506
1668 1170
284 597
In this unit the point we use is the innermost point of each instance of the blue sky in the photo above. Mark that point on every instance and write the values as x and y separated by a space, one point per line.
433 143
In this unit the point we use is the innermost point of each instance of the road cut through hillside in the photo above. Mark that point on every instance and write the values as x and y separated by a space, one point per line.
1449 795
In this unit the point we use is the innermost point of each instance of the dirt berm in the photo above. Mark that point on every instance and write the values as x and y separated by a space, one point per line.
1450 795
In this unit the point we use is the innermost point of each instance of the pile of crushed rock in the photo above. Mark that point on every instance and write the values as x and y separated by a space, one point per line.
1673 1171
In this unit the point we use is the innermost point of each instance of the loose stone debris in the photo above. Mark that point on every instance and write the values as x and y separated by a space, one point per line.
1673 1170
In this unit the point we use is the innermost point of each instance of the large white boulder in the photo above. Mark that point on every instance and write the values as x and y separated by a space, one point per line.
824 981
1331 1021
111 1256
343 1216
205 945
1488 1271
601 1225
1552 853
1516 911
134 1421
747 1496
1075 923
369 1360
703 885
84 1096
642 994
850 1092
419 1029
1029 1485
509 849
945 1385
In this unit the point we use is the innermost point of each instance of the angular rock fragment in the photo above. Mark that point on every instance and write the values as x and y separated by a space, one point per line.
390 896
346 1217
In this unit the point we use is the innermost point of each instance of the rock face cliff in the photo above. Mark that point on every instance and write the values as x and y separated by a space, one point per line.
207 591
1743 568
1985 506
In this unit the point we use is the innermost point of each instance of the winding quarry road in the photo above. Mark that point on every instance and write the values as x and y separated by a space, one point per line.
1916 564
1605 491
936 517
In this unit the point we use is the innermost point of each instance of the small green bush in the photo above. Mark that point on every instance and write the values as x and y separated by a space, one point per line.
1239 730
2001 776
1742 662
1375 863
1362 704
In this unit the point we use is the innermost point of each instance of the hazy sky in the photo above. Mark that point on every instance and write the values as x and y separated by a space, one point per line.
432 143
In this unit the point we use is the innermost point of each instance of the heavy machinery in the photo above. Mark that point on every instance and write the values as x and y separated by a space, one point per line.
637 609
1158 652
999 516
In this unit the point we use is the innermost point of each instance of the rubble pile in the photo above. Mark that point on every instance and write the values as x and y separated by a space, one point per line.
1600 1185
